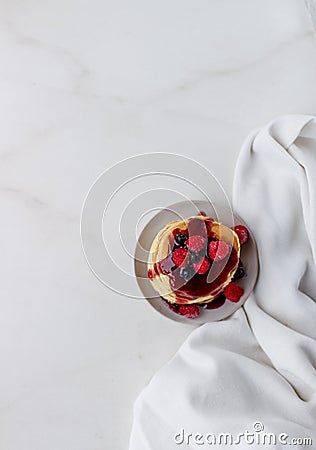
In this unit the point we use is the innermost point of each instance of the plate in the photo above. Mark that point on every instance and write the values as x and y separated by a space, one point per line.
185 209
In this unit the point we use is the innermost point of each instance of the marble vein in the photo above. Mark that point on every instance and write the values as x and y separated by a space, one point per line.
204 76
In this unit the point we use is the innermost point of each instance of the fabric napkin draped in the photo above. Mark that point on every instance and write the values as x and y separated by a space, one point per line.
255 369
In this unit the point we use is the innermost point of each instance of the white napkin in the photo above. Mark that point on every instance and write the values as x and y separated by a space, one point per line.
257 368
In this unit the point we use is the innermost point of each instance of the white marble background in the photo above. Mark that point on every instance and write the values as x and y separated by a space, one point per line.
83 85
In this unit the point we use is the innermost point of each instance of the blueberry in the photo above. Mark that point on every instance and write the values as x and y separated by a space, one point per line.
240 273
187 272
180 239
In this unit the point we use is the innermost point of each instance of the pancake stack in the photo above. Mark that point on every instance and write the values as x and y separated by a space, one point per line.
191 261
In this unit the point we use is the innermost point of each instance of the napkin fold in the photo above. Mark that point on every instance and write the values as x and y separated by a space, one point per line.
255 371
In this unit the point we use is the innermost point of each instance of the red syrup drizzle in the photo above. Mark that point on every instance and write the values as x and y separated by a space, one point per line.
151 274
216 303
198 285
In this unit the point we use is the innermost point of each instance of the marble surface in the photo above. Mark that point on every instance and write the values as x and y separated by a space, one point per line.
83 85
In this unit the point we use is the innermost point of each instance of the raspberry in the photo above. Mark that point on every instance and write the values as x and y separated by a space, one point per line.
179 257
202 266
218 250
196 243
195 257
242 233
233 292
190 311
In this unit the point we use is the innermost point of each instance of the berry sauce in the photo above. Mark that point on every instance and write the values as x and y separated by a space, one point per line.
151 274
216 303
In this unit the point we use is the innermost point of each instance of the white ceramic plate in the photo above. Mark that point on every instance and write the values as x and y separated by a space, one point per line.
186 209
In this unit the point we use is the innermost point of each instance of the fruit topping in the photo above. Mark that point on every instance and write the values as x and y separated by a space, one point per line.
179 257
233 292
190 311
218 250
242 233
196 243
195 257
180 239
240 272
202 266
